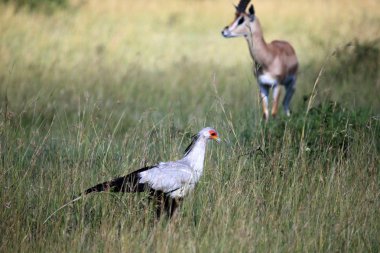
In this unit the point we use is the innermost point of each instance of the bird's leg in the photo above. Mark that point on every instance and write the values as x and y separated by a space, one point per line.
159 202
172 207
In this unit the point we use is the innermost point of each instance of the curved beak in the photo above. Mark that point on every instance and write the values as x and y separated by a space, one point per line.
216 138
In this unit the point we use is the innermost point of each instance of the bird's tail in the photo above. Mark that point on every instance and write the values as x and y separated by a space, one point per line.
97 188
68 203
128 183
115 185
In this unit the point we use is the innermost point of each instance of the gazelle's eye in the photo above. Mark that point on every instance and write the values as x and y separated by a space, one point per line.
241 20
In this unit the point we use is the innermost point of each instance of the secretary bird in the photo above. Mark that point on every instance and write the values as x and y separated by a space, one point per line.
166 182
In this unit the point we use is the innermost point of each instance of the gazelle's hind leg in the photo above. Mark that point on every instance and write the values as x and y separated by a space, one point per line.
290 87
264 93
276 98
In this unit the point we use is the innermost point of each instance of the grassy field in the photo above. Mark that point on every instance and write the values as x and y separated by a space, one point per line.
100 88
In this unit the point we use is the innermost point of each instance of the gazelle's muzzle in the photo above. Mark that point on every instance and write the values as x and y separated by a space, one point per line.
226 33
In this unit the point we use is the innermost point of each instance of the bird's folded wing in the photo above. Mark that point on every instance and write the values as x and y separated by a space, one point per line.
167 177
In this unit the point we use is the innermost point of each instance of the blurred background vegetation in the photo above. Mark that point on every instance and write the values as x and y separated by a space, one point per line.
37 5
94 89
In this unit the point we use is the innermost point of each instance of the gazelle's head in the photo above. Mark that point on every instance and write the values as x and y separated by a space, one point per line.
240 26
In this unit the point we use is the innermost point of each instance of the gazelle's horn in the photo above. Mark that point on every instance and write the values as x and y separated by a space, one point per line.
240 8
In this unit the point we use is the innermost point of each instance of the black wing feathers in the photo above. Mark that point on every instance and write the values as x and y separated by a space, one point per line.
128 183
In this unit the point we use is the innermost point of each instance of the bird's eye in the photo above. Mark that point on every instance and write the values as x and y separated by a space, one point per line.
213 134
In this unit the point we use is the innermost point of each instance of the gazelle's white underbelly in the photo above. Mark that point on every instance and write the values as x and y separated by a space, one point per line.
267 79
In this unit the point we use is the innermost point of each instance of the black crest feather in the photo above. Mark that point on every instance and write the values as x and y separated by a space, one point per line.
194 139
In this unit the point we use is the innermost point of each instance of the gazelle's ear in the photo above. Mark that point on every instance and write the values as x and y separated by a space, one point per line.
251 12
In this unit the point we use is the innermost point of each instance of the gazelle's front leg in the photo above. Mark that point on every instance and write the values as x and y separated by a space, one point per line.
276 98
264 93
290 87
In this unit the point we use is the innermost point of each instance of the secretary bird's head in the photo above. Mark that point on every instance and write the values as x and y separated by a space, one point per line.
205 134
209 133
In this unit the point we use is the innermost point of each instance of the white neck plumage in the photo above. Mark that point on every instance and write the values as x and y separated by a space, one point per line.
195 154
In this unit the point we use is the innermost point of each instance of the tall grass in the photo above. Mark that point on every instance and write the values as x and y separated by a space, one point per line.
93 92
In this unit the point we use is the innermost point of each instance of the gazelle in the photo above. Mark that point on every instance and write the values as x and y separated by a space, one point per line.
275 63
